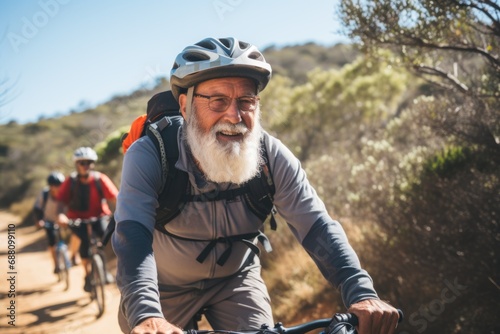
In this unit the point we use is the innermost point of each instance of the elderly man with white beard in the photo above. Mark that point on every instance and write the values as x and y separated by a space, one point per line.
163 281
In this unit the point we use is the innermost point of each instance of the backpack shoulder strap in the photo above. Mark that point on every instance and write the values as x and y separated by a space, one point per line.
175 182
45 197
72 182
98 183
261 192
39 210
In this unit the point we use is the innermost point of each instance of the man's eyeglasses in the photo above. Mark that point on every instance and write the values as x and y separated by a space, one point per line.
220 103
85 162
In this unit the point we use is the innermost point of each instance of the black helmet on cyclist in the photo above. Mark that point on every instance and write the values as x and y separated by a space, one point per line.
217 58
55 179
84 153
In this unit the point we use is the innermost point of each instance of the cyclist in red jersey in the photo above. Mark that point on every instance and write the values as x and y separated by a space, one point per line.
87 194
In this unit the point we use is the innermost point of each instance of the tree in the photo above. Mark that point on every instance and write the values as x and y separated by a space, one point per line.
333 106
453 44
438 220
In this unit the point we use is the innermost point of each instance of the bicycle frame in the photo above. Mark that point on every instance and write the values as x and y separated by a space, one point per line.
63 262
62 257
97 263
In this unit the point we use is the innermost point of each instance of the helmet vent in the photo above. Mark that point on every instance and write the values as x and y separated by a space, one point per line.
195 56
226 42
206 44
244 45
256 56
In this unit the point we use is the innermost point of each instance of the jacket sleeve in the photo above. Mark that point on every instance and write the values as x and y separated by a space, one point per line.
136 274
132 240
327 245
322 237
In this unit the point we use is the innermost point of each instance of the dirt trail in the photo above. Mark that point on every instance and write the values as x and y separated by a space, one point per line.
41 304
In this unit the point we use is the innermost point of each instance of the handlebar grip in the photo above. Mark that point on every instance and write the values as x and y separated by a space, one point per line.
350 318
109 231
353 319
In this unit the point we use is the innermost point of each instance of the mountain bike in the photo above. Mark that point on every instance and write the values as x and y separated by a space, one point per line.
63 262
97 263
340 323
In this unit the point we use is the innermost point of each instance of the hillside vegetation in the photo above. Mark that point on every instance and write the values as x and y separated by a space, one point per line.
401 139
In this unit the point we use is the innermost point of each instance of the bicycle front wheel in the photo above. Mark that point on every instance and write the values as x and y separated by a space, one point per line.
98 281
63 265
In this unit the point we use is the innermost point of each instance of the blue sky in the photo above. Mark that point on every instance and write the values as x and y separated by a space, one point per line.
57 54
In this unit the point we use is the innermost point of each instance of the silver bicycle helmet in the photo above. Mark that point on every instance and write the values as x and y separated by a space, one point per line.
216 58
84 153
55 179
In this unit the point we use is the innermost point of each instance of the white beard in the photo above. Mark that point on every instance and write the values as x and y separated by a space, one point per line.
235 162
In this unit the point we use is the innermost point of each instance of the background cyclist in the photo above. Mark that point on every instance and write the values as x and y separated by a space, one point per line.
87 194
47 210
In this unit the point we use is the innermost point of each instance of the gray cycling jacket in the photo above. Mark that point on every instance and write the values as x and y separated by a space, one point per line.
150 261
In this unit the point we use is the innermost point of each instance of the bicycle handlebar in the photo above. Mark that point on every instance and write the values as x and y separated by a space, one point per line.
339 320
79 221
353 319
350 319
50 225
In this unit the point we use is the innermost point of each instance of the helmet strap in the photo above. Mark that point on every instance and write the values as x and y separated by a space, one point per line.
189 100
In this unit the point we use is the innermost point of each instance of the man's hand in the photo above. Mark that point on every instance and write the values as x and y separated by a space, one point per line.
155 326
375 317
62 219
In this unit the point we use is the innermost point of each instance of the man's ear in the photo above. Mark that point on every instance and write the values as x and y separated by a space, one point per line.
182 104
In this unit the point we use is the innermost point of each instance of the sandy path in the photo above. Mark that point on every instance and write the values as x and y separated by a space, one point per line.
41 305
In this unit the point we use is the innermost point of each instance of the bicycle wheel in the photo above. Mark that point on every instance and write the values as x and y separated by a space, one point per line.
63 265
98 281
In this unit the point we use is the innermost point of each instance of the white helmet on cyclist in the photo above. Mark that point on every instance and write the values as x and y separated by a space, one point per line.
217 58
84 153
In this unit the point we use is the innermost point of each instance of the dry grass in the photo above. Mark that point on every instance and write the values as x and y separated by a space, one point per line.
298 290
291 276
23 208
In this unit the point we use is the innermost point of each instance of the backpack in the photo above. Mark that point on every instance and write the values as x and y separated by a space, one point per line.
160 105
45 197
161 123
40 212
73 181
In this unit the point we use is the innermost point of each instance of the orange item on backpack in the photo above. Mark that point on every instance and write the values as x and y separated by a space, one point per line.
135 132
161 104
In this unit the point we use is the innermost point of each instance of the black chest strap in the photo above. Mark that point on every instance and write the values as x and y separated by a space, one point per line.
246 239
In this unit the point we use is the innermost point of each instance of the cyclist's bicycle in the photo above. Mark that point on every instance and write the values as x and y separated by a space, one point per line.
341 323
63 263
97 263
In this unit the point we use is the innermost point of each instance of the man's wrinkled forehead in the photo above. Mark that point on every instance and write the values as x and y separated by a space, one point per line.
229 83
